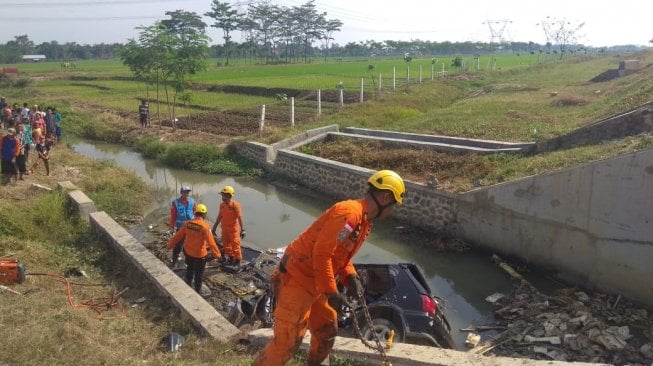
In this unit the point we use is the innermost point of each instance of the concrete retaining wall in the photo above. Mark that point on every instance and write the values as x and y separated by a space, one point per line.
424 206
203 315
413 355
257 152
593 222
302 137
458 141
614 127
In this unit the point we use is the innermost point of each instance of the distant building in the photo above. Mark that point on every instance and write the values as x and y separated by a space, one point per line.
33 58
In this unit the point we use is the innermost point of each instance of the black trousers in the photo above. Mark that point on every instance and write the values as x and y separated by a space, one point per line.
195 270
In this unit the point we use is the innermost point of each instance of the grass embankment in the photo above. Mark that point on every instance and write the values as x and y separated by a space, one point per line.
526 104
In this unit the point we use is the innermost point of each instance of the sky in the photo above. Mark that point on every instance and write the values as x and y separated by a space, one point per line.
600 22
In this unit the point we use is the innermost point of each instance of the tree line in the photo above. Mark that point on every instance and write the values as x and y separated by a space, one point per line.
272 33
13 51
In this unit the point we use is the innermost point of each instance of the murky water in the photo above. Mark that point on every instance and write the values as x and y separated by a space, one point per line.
273 216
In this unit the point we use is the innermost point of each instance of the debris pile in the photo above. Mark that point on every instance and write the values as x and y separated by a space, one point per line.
568 325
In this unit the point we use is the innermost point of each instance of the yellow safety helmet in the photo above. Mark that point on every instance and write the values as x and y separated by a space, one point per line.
200 209
228 190
391 181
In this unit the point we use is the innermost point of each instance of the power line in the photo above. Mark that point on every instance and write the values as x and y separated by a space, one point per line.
73 19
85 3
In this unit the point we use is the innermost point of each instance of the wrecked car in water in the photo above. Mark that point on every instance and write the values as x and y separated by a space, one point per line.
397 296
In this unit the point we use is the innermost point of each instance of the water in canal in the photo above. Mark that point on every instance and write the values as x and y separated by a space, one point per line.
273 216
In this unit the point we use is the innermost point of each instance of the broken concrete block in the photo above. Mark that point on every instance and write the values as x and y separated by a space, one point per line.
552 340
647 350
582 296
541 350
494 297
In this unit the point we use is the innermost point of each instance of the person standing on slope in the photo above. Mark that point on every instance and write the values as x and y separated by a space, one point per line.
182 209
231 219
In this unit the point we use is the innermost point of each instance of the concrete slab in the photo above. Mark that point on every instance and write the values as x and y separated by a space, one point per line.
66 186
84 204
402 354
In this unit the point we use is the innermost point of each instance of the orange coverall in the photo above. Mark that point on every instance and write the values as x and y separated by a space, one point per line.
228 216
198 236
311 263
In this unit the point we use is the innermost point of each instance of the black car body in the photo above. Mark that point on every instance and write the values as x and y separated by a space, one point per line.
399 299
397 296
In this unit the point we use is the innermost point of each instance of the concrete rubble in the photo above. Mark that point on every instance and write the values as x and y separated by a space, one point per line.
568 325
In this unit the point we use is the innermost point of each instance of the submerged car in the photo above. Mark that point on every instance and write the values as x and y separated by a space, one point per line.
397 296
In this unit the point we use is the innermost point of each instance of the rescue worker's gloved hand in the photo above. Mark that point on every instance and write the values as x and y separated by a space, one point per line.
242 234
337 301
354 287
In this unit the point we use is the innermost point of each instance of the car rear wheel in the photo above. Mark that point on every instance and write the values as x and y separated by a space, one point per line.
382 327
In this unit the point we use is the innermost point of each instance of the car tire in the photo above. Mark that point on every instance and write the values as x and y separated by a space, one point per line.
442 335
382 328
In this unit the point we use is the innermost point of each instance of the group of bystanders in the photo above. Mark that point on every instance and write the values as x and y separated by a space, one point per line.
24 130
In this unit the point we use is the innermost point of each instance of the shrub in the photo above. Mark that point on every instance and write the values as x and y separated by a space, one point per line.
208 159
151 148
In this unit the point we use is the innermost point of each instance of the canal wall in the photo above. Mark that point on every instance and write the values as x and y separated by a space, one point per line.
592 223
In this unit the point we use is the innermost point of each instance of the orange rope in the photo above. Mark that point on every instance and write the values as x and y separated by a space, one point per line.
97 304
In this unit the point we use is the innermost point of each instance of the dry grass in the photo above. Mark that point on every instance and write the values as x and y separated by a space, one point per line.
461 173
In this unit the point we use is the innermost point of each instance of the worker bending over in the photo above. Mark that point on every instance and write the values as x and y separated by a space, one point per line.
197 239
305 281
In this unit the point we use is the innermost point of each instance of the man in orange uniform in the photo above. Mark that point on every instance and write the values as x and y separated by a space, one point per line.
197 237
307 296
231 217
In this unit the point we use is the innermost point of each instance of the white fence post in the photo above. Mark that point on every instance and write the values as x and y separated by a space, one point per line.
342 97
380 80
407 73
420 74
292 111
262 122
362 84
394 78
319 102
432 71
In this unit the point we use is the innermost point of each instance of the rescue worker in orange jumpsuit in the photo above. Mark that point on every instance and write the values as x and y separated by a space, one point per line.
197 237
231 218
305 282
